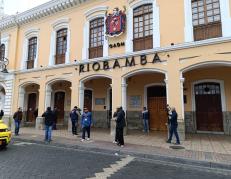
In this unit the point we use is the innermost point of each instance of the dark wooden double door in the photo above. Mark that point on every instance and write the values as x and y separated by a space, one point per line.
31 108
59 103
209 115
157 102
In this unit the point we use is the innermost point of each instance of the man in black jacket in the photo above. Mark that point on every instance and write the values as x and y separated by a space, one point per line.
173 127
49 121
120 124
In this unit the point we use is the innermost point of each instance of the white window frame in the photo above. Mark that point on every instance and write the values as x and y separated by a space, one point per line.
225 20
92 14
156 23
5 40
27 36
58 25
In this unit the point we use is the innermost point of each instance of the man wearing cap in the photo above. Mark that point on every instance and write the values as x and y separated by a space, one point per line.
49 121
74 120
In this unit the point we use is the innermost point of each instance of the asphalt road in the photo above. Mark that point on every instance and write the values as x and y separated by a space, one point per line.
30 160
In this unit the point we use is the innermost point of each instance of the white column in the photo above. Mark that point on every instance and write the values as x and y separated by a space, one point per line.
167 93
85 41
129 40
124 94
182 96
188 28
21 98
156 26
52 48
67 55
105 45
81 95
48 93
225 18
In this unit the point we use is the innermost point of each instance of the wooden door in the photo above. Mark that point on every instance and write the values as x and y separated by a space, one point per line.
88 99
208 107
157 111
31 107
59 104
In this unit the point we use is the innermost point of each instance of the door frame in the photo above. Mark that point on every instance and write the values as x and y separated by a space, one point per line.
92 100
223 100
146 92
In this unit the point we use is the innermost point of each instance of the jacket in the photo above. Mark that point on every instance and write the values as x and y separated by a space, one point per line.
18 115
173 119
120 121
145 115
49 118
86 119
74 115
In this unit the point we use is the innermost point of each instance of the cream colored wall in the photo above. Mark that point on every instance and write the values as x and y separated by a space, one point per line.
100 90
136 86
217 73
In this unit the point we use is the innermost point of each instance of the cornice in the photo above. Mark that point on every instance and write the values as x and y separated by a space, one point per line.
46 9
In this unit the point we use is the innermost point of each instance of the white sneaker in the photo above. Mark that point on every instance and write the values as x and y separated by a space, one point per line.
114 142
122 146
82 140
88 138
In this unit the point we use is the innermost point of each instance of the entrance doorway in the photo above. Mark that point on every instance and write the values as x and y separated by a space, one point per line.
88 99
209 115
31 107
157 102
59 104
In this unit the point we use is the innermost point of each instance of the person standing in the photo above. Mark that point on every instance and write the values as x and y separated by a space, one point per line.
55 111
86 124
145 116
17 120
120 124
116 133
173 127
49 121
1 114
74 120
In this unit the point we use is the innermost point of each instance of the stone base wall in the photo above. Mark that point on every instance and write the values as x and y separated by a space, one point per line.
100 119
134 120
191 127
227 122
190 122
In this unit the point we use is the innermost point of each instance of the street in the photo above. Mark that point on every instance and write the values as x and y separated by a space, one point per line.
24 160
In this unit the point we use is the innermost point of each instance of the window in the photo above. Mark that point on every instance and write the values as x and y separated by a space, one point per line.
143 27
96 38
32 51
206 19
2 51
61 46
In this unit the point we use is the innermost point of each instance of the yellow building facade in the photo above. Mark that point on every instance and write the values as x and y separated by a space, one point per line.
171 52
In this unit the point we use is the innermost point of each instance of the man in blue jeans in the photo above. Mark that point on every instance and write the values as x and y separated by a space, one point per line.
173 127
49 121
17 120
145 116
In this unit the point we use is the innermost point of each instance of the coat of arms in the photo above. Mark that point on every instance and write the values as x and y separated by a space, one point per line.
115 23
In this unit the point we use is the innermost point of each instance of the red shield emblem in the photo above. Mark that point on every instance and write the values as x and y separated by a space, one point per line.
115 23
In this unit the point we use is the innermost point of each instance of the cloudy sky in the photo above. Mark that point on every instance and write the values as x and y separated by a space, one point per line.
13 6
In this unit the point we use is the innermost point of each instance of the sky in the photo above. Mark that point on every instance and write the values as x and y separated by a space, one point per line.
13 6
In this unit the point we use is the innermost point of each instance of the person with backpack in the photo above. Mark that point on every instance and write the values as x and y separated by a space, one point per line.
74 115
17 120
86 124
49 121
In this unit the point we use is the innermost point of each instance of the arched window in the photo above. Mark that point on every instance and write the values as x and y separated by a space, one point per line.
61 46
96 38
32 52
143 27
2 51
206 19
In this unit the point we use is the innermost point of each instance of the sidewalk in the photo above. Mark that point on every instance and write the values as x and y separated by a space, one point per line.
198 147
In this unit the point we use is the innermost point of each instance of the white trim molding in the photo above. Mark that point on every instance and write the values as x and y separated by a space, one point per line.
222 88
5 39
156 23
225 20
58 25
96 12
33 32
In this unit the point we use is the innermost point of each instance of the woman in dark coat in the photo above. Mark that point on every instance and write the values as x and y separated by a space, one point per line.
120 124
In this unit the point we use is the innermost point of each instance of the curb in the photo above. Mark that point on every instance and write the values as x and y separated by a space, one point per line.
152 157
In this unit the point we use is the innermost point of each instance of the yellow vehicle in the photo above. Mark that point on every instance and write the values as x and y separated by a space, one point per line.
5 135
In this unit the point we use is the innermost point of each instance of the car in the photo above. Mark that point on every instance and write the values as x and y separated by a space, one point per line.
5 135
